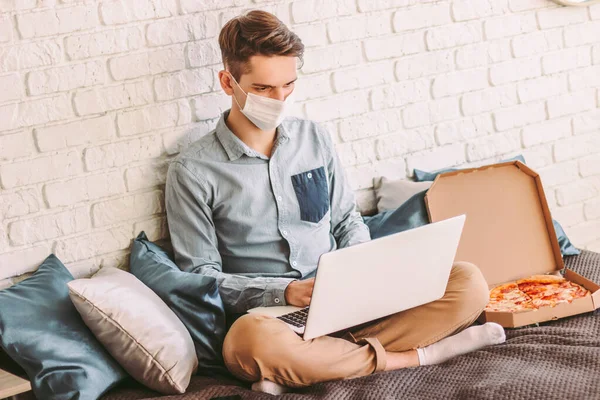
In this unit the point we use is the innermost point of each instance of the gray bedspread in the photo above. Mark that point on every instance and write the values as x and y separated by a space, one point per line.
556 360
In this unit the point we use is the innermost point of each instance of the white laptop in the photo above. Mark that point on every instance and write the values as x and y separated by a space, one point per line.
375 279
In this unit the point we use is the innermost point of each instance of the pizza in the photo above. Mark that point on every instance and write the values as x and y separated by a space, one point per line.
534 292
508 298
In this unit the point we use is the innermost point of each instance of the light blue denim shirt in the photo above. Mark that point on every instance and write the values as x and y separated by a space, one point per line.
256 223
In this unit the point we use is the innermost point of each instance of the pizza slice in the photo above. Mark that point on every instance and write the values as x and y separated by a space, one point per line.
550 290
508 298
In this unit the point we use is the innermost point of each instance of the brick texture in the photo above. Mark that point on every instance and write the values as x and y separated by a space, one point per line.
96 98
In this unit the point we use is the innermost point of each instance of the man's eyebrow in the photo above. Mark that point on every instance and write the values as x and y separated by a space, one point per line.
270 86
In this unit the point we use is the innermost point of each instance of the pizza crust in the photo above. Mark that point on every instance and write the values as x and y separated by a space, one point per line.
541 279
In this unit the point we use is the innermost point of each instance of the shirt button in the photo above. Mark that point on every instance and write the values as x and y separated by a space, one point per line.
309 175
294 263
276 300
284 233
279 198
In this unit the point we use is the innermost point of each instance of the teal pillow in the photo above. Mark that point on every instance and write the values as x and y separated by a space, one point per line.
421 176
566 247
193 297
411 214
41 330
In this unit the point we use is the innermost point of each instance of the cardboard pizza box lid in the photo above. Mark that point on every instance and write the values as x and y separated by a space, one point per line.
508 231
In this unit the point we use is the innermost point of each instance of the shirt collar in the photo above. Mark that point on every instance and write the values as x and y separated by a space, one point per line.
235 147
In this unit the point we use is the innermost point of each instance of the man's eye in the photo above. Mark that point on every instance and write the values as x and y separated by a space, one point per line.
261 89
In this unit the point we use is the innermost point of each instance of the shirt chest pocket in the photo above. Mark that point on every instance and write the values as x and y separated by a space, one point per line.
312 194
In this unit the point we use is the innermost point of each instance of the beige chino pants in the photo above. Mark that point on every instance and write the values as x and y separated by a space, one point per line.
259 347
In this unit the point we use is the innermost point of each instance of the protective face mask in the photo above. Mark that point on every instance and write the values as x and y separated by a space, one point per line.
264 112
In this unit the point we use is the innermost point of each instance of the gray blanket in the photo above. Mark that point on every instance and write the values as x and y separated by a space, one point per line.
556 360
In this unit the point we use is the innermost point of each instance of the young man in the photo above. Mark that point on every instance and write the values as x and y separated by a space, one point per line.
258 200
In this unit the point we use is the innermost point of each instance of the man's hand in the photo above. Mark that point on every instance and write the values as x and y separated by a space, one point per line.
298 293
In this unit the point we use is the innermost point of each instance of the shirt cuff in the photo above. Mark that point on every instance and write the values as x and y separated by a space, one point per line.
275 293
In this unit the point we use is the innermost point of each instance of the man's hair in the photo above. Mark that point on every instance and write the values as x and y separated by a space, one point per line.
256 33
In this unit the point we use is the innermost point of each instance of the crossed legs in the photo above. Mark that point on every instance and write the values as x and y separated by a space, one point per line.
264 348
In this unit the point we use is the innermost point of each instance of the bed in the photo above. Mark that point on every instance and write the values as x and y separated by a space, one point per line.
555 360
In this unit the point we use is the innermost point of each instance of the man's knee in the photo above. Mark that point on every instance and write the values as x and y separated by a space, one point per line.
470 284
254 341
242 337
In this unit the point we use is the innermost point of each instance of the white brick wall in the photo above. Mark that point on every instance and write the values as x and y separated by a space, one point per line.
97 97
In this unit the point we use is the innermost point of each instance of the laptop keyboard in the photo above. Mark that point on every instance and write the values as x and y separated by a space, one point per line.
296 318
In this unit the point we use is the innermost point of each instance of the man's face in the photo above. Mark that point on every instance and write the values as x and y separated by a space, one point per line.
272 77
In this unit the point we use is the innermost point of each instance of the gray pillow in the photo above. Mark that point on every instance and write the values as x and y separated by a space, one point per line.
137 328
391 194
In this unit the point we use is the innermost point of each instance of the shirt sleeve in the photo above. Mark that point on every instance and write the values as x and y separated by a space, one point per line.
195 244
347 225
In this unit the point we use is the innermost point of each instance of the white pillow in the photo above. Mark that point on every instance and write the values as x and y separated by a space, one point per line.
136 328
391 194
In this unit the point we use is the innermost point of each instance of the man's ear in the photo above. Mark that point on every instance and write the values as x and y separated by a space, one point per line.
226 82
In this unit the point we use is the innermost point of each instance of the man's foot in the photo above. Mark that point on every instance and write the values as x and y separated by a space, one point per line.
269 387
471 339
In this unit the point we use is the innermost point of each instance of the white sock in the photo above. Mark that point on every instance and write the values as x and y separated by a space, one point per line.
267 386
470 339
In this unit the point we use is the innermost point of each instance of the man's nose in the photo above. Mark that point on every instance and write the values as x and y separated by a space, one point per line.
278 94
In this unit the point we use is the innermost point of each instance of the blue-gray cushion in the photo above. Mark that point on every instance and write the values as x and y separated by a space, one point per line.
194 298
413 213
41 330
566 247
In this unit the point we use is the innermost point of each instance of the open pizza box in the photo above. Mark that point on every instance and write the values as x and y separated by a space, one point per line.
508 233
